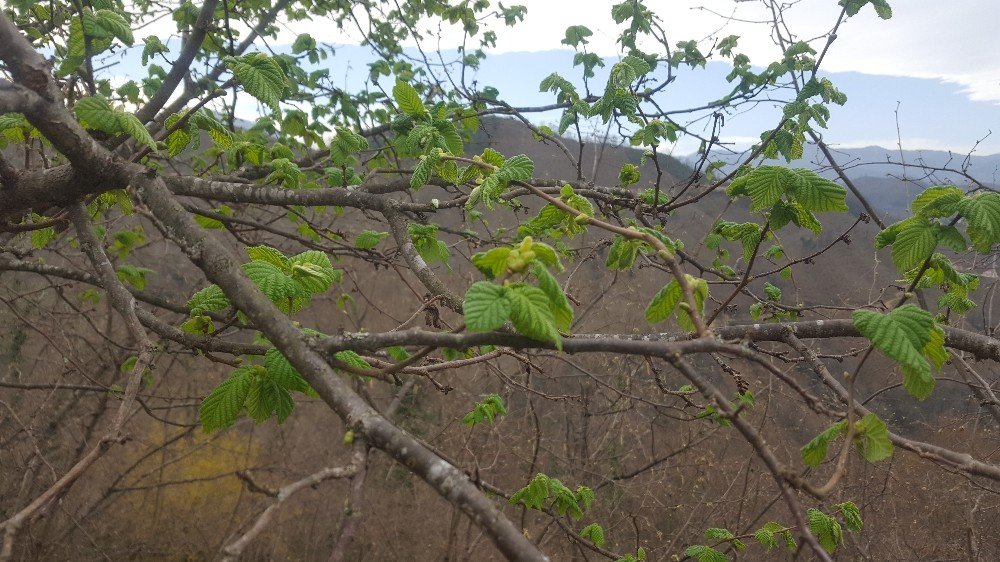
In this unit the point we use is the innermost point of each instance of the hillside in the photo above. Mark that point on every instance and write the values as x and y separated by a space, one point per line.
510 136
877 172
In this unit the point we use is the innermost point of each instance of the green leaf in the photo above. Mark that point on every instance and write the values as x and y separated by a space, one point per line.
919 383
817 193
584 496
408 99
76 51
261 77
368 239
767 535
938 201
345 145
703 553
957 302
826 528
493 157
914 243
764 185
41 237
851 514
422 172
283 373
198 324
424 237
486 307
312 269
207 122
649 196
629 175
13 127
873 438
177 141
593 533
766 538
208 222
133 275
397 353
550 217
209 299
881 7
314 278
265 398
131 126
814 452
105 24
558 303
888 236
532 495
623 253
351 358
452 139
546 254
269 255
272 281
486 410
934 350
314 257
699 288
518 167
531 313
664 303
747 233
952 238
221 407
95 112
903 335
575 35
715 533
982 213
773 293
804 218
493 262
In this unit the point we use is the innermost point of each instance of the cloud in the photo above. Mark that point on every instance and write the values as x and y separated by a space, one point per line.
949 41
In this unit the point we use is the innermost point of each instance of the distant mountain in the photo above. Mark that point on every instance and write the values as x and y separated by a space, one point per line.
888 178
875 161
599 162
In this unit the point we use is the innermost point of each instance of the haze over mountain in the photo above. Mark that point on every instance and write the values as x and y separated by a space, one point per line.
890 178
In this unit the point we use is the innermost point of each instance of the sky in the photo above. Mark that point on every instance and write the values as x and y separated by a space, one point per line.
929 77
954 41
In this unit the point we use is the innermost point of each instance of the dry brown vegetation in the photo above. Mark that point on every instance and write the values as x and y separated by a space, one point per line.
393 404
661 476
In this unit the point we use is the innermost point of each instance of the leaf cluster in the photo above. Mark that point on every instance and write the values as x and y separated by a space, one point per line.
909 336
288 281
545 492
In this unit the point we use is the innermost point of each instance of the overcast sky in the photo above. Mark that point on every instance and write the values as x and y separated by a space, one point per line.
954 45
954 40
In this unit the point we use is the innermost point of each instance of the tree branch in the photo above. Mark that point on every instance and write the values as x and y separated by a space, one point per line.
220 267
124 304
